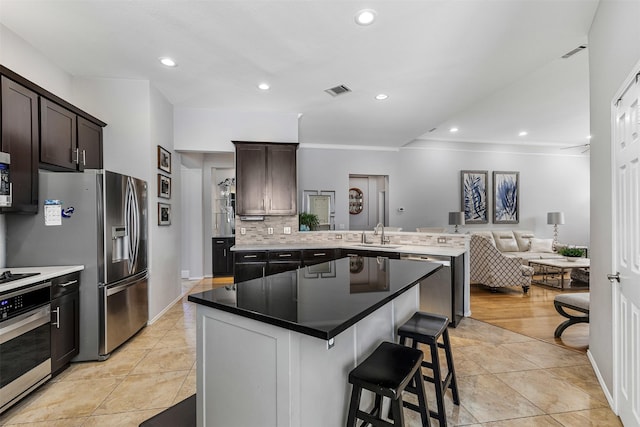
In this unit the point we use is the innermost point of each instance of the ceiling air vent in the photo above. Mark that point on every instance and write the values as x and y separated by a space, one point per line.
574 51
338 90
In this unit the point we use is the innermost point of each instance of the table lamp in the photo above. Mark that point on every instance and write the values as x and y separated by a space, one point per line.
555 219
456 218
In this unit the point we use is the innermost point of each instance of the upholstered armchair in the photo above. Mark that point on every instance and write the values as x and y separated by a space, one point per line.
493 269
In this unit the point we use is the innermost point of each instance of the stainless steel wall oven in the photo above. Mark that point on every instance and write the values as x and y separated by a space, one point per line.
25 341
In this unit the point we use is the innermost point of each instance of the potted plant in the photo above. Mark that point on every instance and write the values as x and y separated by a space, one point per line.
571 253
308 221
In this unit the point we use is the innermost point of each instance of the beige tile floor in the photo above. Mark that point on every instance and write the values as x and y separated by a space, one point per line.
505 379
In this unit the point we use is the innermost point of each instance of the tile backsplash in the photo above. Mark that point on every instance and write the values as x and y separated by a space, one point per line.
257 233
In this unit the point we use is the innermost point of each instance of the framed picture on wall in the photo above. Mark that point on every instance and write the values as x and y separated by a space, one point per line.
506 197
164 160
164 186
474 202
164 214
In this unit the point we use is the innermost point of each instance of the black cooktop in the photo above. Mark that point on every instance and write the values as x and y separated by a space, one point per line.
8 276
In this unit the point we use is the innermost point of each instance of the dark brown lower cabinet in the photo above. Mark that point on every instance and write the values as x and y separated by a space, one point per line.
222 258
65 322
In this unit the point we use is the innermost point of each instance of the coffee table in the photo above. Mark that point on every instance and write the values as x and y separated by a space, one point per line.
553 270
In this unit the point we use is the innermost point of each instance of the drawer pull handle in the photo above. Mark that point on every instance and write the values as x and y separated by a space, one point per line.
250 256
57 322
69 283
319 254
284 255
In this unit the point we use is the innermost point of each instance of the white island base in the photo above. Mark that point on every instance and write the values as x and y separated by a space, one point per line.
250 373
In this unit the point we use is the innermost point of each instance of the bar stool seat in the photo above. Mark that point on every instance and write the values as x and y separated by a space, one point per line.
387 372
427 328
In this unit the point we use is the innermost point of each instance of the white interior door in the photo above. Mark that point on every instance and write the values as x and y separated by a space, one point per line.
626 244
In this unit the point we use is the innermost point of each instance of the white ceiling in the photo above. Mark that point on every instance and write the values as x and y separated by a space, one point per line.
492 68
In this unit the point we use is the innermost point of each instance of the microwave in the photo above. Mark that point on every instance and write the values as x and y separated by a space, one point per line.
5 180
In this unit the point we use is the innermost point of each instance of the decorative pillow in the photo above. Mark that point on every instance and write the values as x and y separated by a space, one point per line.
541 245
523 237
505 242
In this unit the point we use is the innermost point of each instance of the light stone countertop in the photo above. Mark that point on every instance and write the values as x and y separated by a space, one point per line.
394 248
46 273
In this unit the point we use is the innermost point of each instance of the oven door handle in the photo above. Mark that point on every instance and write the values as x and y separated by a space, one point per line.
10 329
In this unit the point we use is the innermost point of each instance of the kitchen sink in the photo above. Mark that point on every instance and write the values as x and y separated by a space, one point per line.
378 245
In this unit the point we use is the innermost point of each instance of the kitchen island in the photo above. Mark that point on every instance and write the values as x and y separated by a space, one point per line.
277 350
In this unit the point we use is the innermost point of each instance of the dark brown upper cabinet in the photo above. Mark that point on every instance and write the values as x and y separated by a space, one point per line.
20 139
89 145
266 178
68 141
58 146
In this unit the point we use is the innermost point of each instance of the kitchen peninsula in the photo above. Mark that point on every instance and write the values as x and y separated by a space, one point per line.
276 350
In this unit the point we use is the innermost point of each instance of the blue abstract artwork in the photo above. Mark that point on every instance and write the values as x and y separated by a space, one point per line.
474 197
506 194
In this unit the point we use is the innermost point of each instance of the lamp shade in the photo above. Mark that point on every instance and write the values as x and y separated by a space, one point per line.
554 218
456 218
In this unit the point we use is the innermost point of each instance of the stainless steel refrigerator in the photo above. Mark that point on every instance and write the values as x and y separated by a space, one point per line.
102 224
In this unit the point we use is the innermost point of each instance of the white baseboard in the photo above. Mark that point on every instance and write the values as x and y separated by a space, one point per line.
603 386
159 315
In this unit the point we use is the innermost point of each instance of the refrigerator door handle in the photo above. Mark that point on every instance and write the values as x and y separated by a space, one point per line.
132 221
119 288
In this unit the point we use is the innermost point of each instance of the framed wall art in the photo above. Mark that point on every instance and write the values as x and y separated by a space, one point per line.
506 197
164 186
164 160
474 202
164 214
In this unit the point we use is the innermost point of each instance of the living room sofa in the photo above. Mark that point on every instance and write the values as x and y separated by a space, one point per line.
500 258
520 244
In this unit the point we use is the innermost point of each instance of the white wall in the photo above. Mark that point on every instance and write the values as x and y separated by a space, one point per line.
164 252
425 181
614 44
192 229
205 130
19 56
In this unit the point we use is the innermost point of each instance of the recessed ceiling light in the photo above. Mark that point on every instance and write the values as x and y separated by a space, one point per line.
381 96
453 130
523 133
168 62
365 17
264 86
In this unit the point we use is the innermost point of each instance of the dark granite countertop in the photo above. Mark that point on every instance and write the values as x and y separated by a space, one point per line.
321 300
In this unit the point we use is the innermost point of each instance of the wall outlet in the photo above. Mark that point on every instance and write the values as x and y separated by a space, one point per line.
338 236
287 230
270 230
243 231
442 240
341 226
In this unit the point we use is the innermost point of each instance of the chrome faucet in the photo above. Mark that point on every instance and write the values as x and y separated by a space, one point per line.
383 239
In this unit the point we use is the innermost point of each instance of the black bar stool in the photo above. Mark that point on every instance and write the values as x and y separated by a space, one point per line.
427 328
387 372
